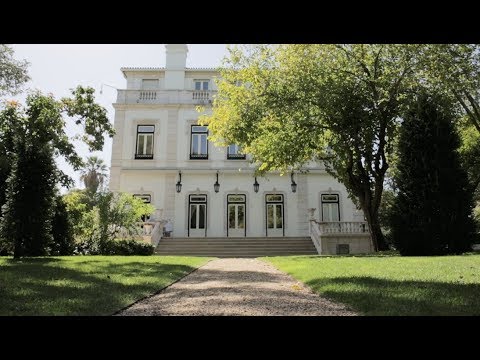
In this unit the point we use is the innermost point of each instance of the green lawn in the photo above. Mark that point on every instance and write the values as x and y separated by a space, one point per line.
85 285
392 285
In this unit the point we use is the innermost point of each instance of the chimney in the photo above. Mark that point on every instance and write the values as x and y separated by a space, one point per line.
176 61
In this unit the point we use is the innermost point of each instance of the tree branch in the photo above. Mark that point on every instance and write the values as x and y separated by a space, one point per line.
466 108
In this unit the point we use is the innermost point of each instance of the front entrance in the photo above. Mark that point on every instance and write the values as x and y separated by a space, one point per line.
274 215
236 215
197 216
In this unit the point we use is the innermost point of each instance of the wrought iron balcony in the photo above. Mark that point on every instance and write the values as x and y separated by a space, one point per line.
144 156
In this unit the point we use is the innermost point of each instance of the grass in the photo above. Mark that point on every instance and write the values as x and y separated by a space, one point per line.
392 285
85 285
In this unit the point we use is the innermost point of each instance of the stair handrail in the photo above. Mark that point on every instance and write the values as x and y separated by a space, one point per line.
316 235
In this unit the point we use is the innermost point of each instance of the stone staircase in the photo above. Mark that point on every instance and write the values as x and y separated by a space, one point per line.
236 247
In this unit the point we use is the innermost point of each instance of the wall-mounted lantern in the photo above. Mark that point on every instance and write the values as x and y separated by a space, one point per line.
256 185
216 186
294 184
179 182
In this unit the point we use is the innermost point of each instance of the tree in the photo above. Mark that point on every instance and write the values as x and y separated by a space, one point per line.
114 216
93 174
30 135
454 71
79 208
62 229
431 214
29 207
13 73
119 215
470 154
289 104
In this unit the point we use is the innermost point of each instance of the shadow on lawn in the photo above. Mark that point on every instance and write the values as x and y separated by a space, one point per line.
36 287
374 296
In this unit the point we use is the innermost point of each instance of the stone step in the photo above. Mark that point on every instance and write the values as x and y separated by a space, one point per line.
236 247
236 255
235 243
235 238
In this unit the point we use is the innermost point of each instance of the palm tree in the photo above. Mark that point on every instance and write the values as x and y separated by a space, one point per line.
94 173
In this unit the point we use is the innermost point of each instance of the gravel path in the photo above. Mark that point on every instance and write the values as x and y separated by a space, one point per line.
237 287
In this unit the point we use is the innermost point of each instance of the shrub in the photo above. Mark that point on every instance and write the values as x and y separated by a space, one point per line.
114 247
132 247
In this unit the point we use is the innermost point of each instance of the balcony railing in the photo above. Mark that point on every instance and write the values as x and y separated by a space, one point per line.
343 227
236 156
147 95
319 230
144 156
195 97
198 156
201 95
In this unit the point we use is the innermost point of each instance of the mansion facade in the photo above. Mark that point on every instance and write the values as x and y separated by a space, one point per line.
162 155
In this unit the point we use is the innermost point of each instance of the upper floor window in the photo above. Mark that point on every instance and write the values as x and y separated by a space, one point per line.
150 84
145 142
201 84
234 152
330 207
199 142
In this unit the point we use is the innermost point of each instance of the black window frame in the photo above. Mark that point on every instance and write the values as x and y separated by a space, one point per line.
146 156
189 210
330 202
235 156
267 202
198 156
243 202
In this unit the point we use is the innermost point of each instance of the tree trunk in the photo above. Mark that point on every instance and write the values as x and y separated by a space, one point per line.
18 250
378 239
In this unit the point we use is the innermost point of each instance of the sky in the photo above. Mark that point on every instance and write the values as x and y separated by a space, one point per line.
57 68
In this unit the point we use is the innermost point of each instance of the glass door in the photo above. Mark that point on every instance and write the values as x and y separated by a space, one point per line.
236 216
274 215
197 216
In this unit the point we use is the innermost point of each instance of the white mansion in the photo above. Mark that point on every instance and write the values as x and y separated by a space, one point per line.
162 155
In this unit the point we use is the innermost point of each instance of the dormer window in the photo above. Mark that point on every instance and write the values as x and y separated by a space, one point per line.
201 84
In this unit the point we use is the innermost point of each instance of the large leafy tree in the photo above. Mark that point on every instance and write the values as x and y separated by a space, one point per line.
432 212
289 104
37 133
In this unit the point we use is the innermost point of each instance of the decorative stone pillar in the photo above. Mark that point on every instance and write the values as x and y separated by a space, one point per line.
158 214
